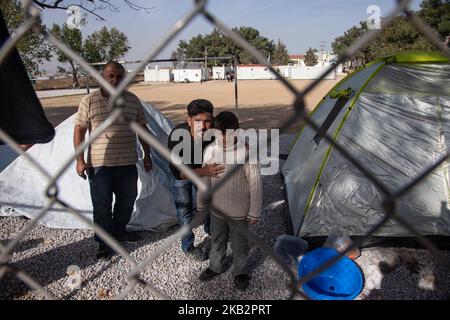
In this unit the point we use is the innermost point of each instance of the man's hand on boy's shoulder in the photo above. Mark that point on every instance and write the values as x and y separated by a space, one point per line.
252 220
213 170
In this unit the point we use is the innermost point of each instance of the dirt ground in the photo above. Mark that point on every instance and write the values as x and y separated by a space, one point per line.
262 103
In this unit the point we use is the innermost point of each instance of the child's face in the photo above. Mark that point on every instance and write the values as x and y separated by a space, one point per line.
228 138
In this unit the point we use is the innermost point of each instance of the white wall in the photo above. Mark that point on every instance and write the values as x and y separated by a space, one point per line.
285 71
254 73
218 73
303 73
157 75
339 69
187 75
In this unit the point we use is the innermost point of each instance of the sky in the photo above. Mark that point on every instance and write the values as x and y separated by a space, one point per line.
300 24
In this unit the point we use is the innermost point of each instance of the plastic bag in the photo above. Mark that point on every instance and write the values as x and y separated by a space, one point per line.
290 248
340 241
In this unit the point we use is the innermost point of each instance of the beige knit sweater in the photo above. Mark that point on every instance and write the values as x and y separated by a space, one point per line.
240 196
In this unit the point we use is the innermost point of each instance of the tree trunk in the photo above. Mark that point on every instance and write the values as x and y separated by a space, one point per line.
75 79
75 83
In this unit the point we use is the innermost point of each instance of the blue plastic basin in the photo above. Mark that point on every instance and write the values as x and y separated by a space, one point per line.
342 281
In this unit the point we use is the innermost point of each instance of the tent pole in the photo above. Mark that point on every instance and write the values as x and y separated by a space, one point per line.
235 87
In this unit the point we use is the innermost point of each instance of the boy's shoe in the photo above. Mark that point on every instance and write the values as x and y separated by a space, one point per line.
103 252
206 245
197 254
207 275
241 282
129 237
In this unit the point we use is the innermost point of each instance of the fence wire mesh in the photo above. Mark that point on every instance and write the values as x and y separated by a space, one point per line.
31 24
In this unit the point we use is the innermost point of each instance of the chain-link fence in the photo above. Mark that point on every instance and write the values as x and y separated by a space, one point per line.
31 24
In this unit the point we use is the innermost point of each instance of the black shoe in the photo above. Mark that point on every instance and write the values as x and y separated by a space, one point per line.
197 254
206 245
103 252
241 282
207 275
129 237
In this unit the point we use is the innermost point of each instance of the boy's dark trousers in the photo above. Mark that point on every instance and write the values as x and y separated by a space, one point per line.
221 231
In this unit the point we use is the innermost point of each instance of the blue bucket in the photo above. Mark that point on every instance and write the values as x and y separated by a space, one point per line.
342 281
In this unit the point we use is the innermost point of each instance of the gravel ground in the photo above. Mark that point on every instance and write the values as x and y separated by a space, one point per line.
45 254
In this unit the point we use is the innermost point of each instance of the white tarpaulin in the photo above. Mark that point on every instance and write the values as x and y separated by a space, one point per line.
22 187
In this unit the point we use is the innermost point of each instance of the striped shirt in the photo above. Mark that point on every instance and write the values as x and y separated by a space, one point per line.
117 145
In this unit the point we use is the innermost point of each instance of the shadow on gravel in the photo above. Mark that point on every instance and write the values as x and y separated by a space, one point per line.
51 265
420 284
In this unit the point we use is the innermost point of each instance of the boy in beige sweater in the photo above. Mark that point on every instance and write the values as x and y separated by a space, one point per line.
240 198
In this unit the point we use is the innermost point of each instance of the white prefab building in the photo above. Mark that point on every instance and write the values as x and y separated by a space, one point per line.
190 75
304 73
339 69
285 71
157 75
254 72
218 73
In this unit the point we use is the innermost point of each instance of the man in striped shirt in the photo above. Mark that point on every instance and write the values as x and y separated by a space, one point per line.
111 158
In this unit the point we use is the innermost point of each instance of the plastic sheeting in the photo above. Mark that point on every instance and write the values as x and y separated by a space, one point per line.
398 127
22 188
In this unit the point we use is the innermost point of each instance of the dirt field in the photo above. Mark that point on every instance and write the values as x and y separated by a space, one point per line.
262 103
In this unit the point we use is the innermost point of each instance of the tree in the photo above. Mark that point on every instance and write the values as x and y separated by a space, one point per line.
311 58
350 36
437 14
280 55
74 40
253 36
400 35
105 45
33 49
217 44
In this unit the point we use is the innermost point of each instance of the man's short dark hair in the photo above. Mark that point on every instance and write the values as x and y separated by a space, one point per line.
114 64
226 120
198 106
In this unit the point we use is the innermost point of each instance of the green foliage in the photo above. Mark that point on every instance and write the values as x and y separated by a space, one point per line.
311 58
33 49
105 45
350 36
217 44
400 35
280 55
437 14
74 40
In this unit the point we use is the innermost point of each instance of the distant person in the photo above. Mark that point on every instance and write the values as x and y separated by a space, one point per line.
111 159
240 197
189 136
230 74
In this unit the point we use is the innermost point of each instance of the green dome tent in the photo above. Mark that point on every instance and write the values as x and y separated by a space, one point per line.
393 116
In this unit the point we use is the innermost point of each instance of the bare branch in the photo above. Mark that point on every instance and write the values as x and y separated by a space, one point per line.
82 4
137 7
56 5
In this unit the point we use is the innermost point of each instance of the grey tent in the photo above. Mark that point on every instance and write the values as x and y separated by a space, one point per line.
22 188
393 116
